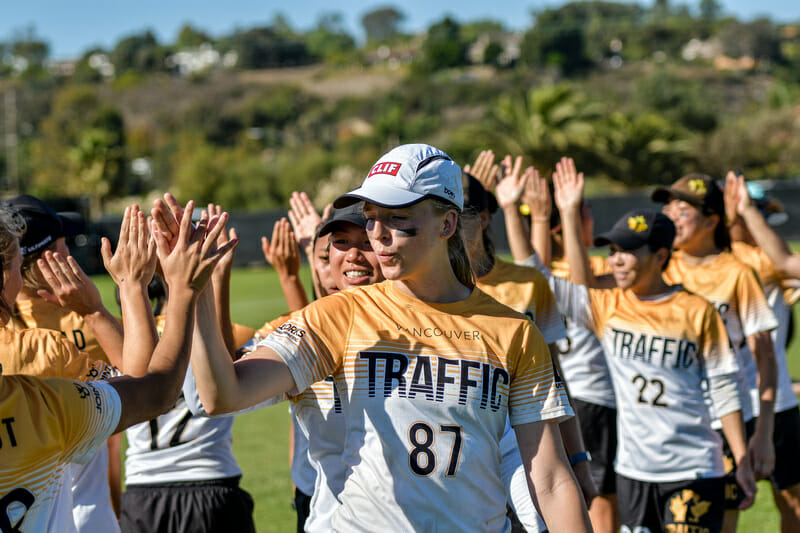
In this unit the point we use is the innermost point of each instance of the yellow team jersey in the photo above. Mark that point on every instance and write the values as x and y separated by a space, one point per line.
734 290
525 290
778 299
39 313
425 391
599 266
44 425
45 353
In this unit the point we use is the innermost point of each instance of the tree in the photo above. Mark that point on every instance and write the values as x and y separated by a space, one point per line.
443 46
190 37
265 48
710 9
381 25
329 40
558 39
138 53
546 123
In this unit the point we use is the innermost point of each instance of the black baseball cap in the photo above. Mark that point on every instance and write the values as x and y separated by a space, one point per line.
476 196
43 225
354 214
638 228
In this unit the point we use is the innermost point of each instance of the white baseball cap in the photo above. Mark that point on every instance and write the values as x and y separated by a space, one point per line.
406 175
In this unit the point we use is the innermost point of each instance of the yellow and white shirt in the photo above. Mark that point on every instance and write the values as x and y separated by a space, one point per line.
425 391
771 281
733 288
660 353
44 425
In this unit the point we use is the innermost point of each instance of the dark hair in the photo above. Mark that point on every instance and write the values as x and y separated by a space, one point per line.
722 238
653 247
456 250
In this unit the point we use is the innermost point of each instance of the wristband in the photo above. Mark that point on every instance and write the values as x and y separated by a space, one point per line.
579 458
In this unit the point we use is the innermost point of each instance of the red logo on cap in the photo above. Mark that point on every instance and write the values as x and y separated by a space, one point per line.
386 167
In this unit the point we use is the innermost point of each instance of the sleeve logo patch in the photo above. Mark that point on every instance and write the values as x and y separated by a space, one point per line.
698 187
386 167
637 223
293 330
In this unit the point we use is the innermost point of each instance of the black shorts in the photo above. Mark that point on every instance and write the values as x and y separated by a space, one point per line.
694 505
192 507
786 438
302 504
733 492
599 428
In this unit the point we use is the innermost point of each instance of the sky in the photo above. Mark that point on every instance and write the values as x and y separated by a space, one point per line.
74 26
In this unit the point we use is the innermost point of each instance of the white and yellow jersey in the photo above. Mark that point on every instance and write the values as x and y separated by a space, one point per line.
581 354
772 283
425 391
660 353
44 425
734 290
179 446
525 290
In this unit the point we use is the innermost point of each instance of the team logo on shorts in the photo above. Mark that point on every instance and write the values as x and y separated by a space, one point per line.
386 167
637 223
698 187
688 503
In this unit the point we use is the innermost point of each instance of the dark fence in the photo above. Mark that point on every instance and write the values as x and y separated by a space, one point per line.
251 226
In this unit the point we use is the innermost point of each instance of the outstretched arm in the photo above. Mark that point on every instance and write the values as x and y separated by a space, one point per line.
785 262
72 289
132 267
537 197
187 263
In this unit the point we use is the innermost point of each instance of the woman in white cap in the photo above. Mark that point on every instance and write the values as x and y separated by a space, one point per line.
427 368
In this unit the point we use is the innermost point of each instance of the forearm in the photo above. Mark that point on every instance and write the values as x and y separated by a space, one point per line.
141 336
772 244
734 431
294 292
552 483
109 334
577 256
518 238
221 285
541 240
211 362
762 349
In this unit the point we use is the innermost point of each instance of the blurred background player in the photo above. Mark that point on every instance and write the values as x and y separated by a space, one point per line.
181 474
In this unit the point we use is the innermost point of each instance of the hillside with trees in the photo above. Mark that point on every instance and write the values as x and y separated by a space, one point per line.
638 95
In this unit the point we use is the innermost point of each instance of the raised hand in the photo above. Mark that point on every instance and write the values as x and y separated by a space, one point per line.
484 169
135 256
282 253
509 189
225 265
189 259
567 185
737 197
304 219
536 195
167 215
71 287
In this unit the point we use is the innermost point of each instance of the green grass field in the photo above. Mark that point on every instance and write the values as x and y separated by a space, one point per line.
261 439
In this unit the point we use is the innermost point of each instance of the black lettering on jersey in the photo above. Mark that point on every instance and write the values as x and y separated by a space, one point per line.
83 391
465 381
292 330
337 402
391 374
10 504
98 401
442 378
654 349
79 339
422 380
557 380
497 399
12 439
485 388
